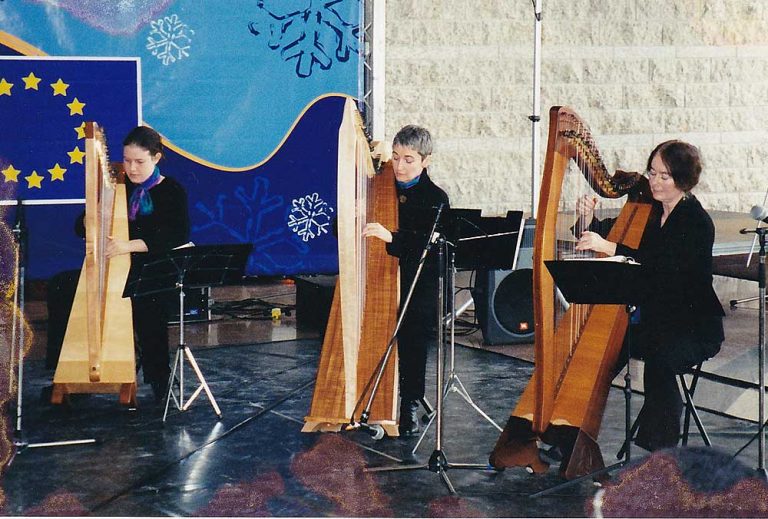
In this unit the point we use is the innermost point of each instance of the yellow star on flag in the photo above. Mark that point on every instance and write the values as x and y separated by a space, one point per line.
34 180
31 81
5 87
57 172
11 174
59 88
76 155
75 107
80 131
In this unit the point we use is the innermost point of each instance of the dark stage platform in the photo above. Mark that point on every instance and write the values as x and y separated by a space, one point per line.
255 460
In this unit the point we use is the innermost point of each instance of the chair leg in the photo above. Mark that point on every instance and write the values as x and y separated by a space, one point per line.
690 408
622 452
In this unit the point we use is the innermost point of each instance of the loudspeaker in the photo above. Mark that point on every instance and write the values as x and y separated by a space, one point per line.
504 298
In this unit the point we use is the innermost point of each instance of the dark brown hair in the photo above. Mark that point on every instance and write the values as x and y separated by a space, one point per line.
682 160
145 137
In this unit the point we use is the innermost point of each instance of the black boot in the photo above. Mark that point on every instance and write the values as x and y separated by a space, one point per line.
409 421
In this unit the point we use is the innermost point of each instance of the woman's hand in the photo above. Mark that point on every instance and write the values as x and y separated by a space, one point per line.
585 207
377 230
592 241
120 247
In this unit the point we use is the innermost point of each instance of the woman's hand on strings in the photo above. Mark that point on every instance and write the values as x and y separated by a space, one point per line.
592 241
377 230
585 207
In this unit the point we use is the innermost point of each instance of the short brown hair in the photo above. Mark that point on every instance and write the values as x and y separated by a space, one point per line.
682 160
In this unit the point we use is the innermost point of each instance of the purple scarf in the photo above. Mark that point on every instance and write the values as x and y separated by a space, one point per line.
141 201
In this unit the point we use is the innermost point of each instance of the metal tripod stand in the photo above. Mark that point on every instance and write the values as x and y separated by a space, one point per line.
453 383
177 372
438 462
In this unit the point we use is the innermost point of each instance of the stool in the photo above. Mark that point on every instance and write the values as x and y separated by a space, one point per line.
690 411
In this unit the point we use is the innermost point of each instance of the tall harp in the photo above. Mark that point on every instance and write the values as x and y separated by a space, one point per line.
576 346
364 308
97 355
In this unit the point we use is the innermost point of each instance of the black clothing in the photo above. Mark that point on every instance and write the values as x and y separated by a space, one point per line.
680 316
417 209
165 228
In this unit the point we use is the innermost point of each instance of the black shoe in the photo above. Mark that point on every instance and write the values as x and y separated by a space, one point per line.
160 390
409 421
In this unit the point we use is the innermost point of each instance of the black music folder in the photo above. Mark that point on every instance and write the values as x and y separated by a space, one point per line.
608 281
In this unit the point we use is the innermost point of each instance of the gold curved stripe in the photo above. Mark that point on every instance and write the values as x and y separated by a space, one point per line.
231 169
29 50
19 45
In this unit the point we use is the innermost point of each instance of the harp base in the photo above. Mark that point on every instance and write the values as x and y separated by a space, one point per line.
319 424
126 391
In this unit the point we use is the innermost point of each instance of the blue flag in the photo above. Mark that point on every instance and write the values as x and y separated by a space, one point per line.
44 103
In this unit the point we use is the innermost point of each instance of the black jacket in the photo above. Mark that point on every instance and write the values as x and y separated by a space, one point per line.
676 261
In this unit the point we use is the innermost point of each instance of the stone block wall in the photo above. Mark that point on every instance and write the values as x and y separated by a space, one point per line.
637 71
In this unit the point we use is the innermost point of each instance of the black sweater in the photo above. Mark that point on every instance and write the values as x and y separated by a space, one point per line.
168 225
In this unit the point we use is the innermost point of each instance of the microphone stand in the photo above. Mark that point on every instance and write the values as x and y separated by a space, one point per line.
438 462
760 233
18 336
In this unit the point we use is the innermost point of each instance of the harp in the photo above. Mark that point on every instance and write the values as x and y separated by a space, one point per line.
97 355
363 313
576 346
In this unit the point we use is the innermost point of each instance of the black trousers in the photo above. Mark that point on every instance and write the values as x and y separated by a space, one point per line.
150 329
666 354
417 334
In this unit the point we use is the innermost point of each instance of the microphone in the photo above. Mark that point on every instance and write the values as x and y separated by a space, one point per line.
759 212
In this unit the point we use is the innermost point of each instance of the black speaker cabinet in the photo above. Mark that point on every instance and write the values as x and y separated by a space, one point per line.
504 298
504 305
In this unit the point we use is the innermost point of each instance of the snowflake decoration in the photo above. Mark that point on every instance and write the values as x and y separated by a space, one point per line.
310 217
309 31
169 40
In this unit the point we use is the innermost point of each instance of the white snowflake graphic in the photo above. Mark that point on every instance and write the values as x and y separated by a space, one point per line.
310 217
169 40
312 32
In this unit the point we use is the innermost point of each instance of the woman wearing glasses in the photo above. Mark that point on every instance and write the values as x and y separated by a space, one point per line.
680 317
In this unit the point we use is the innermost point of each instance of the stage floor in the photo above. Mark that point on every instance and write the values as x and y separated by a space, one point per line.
255 460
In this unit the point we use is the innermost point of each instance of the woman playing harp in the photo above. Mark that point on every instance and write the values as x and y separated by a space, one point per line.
576 345
157 220
680 317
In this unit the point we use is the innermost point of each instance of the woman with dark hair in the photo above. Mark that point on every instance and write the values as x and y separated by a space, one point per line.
158 221
680 317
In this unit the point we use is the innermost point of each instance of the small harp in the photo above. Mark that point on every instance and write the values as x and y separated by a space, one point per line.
364 308
576 346
97 355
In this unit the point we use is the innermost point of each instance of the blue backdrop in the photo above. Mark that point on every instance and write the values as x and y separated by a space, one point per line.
248 95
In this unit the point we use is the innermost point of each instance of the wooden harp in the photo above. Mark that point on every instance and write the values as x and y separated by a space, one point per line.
364 308
97 355
576 346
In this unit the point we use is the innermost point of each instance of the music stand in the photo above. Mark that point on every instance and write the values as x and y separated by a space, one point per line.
477 243
192 267
600 281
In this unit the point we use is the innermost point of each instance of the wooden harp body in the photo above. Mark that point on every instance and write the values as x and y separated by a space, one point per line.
365 303
576 346
97 355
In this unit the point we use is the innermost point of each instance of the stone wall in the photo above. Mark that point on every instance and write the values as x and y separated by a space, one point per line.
637 71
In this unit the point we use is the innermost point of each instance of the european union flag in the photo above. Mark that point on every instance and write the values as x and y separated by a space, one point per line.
44 103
